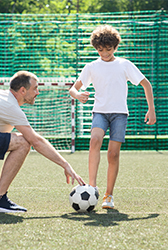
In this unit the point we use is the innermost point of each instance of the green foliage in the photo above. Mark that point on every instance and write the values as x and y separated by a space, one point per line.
148 4
81 6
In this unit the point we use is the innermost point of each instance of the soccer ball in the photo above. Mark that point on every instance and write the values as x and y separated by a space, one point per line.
83 198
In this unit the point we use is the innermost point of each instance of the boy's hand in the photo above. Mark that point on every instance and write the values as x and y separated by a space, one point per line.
83 96
150 117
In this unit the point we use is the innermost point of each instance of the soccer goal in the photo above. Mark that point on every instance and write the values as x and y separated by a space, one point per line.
53 113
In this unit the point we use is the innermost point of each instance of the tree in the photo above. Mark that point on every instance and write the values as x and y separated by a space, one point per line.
136 5
81 6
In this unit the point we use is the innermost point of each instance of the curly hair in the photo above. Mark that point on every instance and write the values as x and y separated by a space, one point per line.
104 36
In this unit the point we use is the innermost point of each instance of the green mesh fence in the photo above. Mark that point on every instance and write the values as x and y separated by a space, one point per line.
50 116
59 46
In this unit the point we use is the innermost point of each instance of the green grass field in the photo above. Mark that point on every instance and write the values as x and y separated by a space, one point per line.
138 222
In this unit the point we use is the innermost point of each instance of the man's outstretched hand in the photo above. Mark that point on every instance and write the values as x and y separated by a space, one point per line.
70 173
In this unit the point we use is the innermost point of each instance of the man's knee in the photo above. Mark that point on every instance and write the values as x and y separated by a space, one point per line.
18 142
24 144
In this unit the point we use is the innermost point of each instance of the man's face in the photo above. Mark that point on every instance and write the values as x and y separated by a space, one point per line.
106 53
32 92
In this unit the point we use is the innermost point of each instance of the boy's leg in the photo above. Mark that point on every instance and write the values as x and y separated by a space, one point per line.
113 165
118 124
19 148
96 140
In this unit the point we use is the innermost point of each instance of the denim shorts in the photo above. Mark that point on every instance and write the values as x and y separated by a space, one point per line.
4 144
116 123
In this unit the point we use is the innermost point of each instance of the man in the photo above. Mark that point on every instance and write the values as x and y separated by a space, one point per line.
23 89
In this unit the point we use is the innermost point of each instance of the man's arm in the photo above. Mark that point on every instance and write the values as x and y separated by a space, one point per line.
150 115
45 148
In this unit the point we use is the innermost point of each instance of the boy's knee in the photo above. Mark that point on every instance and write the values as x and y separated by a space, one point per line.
95 142
112 154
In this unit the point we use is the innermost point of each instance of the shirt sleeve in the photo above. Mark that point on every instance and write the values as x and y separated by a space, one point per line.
85 76
133 74
15 117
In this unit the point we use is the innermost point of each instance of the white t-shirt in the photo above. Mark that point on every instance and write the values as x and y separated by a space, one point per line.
10 112
109 80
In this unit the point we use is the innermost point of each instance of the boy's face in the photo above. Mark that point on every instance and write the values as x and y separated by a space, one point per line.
106 53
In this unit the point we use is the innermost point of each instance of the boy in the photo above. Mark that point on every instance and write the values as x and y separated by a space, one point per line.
109 76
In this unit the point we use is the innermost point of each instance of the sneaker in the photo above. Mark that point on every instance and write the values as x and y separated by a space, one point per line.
7 206
108 201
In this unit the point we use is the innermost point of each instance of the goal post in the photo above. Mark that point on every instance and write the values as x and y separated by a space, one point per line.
53 114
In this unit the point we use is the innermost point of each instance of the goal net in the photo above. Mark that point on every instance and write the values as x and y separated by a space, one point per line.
52 115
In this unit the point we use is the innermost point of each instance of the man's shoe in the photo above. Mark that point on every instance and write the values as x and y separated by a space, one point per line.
7 206
108 201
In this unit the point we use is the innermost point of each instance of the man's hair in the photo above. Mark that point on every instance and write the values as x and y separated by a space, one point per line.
105 36
22 79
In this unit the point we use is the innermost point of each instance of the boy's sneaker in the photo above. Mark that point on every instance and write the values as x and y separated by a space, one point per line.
108 201
7 206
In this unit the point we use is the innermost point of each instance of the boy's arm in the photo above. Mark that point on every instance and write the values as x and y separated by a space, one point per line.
150 115
74 92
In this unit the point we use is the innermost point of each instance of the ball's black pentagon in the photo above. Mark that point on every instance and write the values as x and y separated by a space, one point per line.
90 208
72 193
85 196
97 194
76 206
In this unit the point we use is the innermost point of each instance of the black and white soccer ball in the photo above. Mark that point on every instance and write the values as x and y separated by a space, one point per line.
83 198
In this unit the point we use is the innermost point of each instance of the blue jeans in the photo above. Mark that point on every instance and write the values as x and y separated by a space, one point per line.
117 124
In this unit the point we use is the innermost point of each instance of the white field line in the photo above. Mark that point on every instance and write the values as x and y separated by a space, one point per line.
124 188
